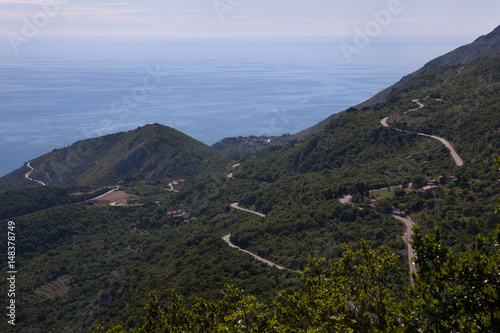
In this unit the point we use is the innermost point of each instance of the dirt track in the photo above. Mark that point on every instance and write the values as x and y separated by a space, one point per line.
29 173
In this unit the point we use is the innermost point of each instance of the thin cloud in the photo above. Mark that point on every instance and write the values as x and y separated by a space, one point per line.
32 2
113 4
295 21
184 11
106 12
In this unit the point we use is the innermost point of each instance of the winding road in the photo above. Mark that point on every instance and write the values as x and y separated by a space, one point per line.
171 189
453 153
270 263
407 237
29 173
231 175
236 206
406 220
227 240
420 105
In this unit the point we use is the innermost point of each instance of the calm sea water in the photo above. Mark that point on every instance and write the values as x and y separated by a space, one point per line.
56 91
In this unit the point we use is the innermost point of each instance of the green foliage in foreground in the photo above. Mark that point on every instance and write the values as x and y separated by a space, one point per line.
356 293
497 163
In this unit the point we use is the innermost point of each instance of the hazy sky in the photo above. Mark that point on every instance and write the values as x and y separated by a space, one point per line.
247 17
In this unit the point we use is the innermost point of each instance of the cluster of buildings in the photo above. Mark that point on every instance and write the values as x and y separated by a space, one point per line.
178 213
428 190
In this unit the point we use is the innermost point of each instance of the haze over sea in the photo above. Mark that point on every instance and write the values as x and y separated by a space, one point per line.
59 90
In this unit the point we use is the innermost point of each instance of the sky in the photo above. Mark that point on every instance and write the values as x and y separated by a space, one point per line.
246 17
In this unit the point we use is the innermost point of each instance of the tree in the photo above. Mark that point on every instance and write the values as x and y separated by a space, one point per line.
400 192
356 293
419 180
236 312
454 294
360 292
383 205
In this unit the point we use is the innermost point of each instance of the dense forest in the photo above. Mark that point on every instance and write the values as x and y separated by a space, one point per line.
356 293
326 201
356 155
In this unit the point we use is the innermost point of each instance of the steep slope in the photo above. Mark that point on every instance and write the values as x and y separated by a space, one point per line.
461 103
107 259
484 46
152 152
355 153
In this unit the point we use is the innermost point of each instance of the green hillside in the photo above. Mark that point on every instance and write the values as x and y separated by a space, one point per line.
355 154
90 260
461 104
483 47
152 152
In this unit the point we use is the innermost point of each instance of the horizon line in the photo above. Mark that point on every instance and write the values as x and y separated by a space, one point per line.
3 34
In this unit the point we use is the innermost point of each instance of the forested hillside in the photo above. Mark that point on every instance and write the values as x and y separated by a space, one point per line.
152 152
356 153
28 200
323 222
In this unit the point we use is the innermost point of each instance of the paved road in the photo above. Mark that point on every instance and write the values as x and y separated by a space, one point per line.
270 263
29 173
407 237
448 145
453 153
227 237
236 206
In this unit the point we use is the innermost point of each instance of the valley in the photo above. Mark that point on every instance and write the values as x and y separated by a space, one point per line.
361 223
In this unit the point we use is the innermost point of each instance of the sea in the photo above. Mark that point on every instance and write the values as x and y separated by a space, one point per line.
55 91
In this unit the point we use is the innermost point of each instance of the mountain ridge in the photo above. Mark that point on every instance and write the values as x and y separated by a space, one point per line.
484 46
56 171
462 54
110 257
151 152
